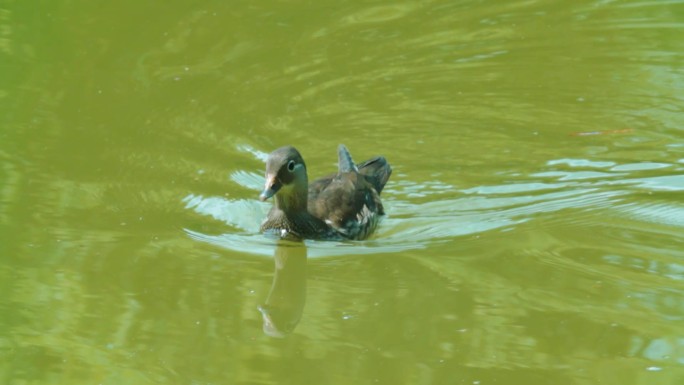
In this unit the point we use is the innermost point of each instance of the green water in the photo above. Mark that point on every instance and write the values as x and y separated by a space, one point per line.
535 214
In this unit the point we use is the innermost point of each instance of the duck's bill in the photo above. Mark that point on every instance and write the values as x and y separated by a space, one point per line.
272 187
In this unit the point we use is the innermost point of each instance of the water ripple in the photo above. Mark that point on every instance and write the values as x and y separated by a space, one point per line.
408 226
661 213
425 213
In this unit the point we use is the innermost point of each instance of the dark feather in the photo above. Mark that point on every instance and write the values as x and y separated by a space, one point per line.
348 203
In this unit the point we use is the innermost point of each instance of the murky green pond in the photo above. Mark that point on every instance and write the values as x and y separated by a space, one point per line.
535 227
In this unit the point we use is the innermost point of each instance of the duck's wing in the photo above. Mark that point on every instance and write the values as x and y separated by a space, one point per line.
345 163
349 201
349 204
376 170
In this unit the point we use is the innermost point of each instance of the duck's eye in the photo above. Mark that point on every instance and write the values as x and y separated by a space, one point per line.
291 166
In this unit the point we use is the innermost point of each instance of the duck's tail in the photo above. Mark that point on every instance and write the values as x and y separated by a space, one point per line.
376 171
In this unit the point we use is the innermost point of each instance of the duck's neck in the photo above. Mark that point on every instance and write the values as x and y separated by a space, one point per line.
292 198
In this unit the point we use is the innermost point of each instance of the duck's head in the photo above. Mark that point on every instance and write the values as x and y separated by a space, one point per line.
285 175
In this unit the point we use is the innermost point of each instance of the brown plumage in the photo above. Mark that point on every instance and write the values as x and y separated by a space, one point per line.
345 205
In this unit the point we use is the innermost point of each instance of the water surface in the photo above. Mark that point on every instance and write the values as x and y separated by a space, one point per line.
535 212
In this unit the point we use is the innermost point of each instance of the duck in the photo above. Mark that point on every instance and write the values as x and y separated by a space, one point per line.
340 206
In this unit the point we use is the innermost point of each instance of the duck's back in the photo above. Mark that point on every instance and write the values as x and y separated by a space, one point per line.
349 201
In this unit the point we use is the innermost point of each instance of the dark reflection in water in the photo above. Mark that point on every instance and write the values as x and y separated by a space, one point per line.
285 302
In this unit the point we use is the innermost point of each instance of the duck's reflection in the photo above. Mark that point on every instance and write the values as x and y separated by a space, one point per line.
285 302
